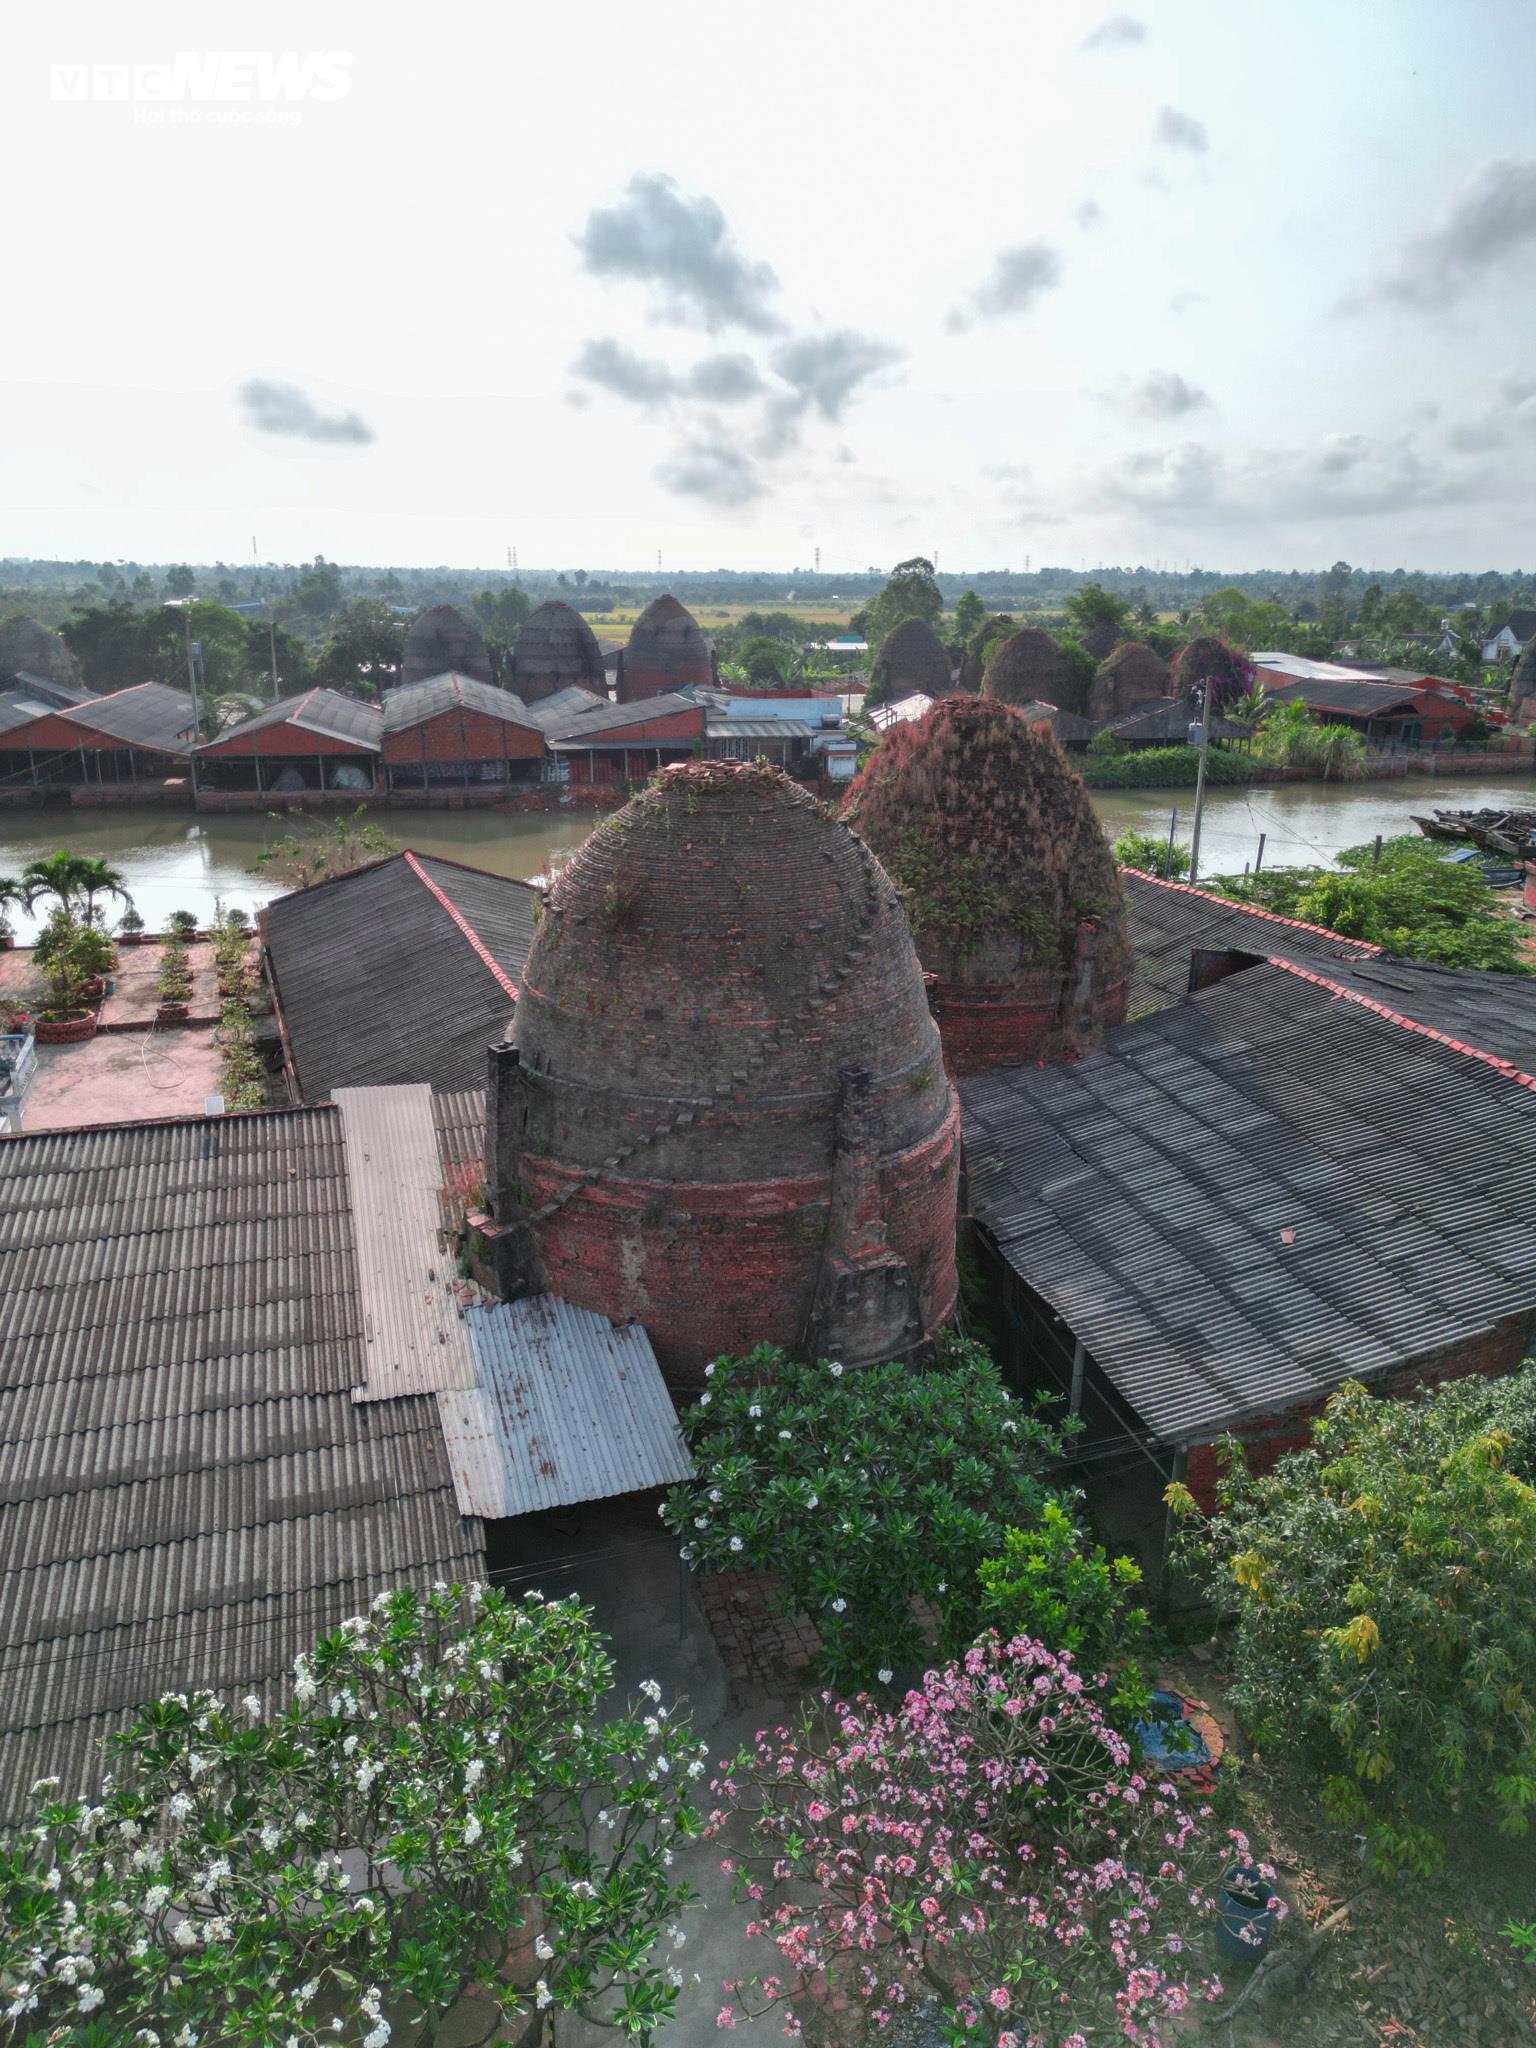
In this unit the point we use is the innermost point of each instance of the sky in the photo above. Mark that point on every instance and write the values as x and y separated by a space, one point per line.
1003 284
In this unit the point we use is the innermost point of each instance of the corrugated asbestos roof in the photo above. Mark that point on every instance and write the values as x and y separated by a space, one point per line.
760 729
1170 922
1248 1198
45 690
608 722
378 983
413 1332
147 715
20 707
569 702
1494 1012
189 1492
567 1407
328 712
412 703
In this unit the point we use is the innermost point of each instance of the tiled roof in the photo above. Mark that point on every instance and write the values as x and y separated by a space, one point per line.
1171 722
191 1493
411 703
44 690
1246 1199
146 715
1170 922
328 712
403 971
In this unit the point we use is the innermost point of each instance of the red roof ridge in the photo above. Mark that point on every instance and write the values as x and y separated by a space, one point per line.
481 948
1368 947
1472 1052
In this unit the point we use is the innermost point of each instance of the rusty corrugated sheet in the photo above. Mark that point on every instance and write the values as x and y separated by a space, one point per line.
566 1407
413 1331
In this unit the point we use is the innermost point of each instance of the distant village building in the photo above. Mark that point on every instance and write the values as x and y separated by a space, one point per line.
722 1111
556 650
138 739
317 744
794 729
1009 883
443 640
30 652
912 657
666 652
1511 638
604 745
1379 703
457 737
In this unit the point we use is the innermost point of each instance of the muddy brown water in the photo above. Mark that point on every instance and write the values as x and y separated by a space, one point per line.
177 859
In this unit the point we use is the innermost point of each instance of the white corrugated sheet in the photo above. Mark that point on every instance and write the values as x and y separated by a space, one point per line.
413 1321
566 1407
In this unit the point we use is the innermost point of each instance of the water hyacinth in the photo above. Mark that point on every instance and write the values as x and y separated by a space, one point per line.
988 1843
394 1836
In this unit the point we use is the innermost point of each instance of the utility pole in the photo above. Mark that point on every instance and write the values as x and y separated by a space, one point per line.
272 643
186 620
1205 747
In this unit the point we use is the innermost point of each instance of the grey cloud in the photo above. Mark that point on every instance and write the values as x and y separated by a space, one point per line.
683 250
285 409
643 380
1491 220
1165 395
1020 275
1184 302
1511 416
827 369
1175 130
1347 476
1089 214
1114 32
727 380
713 472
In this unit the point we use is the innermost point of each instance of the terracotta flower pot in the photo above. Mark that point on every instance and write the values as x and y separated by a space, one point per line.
65 1027
173 1013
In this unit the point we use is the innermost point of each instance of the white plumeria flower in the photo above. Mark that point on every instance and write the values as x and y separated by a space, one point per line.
270 1837
754 1411
813 1502
650 1688
705 1398
885 1674
836 1369
785 1436
542 1995
186 1934
736 1543
377 2034
839 1606
89 1998
252 1706
543 1951
472 1830
716 1495
181 1805
474 1771
709 1372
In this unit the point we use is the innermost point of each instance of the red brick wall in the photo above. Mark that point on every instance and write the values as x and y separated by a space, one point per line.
51 731
983 1028
463 735
1498 1350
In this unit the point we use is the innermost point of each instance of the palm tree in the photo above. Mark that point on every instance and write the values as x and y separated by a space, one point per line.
73 878
12 897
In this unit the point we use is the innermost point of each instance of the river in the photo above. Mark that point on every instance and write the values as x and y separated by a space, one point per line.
177 859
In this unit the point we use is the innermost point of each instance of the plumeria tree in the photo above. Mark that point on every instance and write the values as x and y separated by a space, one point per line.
442 1809
989 1848
864 1491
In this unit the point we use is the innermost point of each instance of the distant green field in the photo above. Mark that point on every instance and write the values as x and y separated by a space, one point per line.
615 625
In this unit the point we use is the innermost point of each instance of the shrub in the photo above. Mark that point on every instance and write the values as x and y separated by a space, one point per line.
1380 1582
1412 902
1047 1583
324 849
182 924
987 1845
1289 737
1162 768
1151 855
71 953
130 921
173 976
863 1490
505 1837
1207 661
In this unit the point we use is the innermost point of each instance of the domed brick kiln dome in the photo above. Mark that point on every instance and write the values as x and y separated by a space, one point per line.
441 640
1010 886
723 1111
912 657
28 648
666 651
1029 668
556 648
1134 674
1000 626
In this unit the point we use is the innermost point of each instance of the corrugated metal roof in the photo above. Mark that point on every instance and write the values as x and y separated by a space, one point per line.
411 703
566 1407
328 712
614 719
1170 922
147 715
914 705
20 707
378 984
569 702
413 1332
760 729
190 1494
1250 1197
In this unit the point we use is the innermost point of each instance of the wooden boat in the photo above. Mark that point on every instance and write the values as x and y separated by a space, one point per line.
1438 828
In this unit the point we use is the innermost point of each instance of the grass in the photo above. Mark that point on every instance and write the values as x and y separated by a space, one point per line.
616 625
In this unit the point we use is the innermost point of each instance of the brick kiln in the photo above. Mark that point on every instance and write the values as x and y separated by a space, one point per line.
666 652
723 1111
1012 891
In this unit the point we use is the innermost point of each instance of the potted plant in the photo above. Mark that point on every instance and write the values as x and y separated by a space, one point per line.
174 983
95 958
67 1017
130 928
182 924
15 1018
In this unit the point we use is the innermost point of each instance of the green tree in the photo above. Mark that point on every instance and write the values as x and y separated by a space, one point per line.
509 1835
74 881
911 593
363 654
1094 606
1379 1580
969 613
319 591
180 581
1370 605
1151 855
862 1491
322 850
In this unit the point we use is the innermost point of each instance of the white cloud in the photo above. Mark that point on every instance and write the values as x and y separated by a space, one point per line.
1490 222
